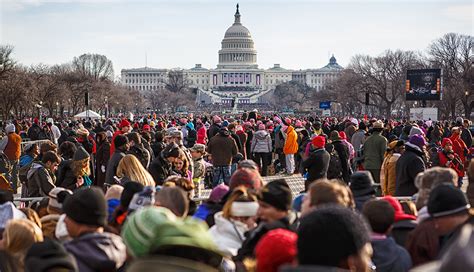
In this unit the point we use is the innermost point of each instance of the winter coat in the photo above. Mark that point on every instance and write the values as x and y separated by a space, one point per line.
98 251
48 225
13 146
239 144
227 234
141 154
459 147
40 180
466 136
199 168
223 148
102 159
357 140
408 166
423 243
157 147
201 136
213 130
66 177
401 229
455 164
112 166
243 140
343 153
374 149
317 164
360 200
34 132
261 142
112 144
160 169
280 137
291 143
390 257
388 174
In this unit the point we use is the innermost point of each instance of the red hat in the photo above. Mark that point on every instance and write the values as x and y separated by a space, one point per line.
136 125
124 123
319 141
276 248
446 141
36 121
246 177
399 213
342 135
146 127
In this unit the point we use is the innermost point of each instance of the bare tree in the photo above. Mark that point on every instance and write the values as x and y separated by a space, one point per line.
99 67
6 61
176 81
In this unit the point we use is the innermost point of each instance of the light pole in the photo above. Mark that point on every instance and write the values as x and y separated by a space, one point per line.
39 110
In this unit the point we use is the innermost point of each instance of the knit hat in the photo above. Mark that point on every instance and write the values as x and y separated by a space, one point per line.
362 183
276 193
399 213
417 140
120 140
217 119
144 198
87 206
318 141
124 123
154 230
129 190
378 125
298 123
354 121
82 132
218 193
276 248
57 196
261 127
114 192
8 211
171 150
47 255
446 199
415 131
288 121
245 177
342 135
146 127
10 128
446 141
334 136
80 154
5 196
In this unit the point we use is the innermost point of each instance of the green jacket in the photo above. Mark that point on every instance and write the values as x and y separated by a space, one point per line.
374 149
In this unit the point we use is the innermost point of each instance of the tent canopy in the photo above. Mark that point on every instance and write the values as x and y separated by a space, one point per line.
87 114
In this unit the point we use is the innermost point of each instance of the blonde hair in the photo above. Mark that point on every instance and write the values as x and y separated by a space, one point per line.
19 236
130 167
81 168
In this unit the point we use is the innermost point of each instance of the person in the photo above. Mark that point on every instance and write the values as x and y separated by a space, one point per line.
236 218
158 145
197 153
362 187
403 223
276 249
161 167
138 150
447 158
388 172
11 147
290 148
191 136
459 148
331 239
86 215
374 149
49 255
325 192
131 169
181 166
222 148
274 202
41 178
343 154
213 204
54 130
409 165
173 198
448 209
26 160
124 127
201 133
34 131
54 210
102 158
466 135
121 147
317 163
387 255
470 187
18 237
77 173
279 138
261 149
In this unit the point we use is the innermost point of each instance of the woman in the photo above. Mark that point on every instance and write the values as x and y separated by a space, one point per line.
261 149
77 172
181 166
102 157
131 169
18 237
235 219
388 172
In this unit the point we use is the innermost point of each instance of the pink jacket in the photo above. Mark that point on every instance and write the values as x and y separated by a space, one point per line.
201 136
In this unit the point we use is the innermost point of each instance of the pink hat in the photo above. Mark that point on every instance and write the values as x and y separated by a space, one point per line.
288 121
298 123
277 120
261 126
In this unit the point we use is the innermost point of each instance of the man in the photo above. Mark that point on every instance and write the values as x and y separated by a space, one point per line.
41 178
34 131
124 127
54 129
409 165
374 149
121 148
290 148
333 239
274 203
466 135
459 147
222 148
317 163
280 138
161 167
93 249
343 154
138 150
324 192
11 146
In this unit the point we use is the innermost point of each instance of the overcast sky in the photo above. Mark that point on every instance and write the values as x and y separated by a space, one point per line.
181 33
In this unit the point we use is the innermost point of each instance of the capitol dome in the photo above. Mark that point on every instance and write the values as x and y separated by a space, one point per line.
237 47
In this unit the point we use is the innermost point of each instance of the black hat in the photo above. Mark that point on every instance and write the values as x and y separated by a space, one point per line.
49 254
446 199
362 183
6 196
120 140
80 154
129 189
87 206
171 150
277 193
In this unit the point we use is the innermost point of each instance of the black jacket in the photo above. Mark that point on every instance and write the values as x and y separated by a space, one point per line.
112 166
66 178
160 169
343 152
408 166
317 164
40 180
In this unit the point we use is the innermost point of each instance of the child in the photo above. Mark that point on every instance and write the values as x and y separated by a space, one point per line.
199 167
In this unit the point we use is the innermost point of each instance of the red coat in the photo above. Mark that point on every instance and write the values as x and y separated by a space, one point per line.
201 136
459 147
112 144
454 164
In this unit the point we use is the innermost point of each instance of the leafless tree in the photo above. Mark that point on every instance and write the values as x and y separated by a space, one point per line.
99 67
6 61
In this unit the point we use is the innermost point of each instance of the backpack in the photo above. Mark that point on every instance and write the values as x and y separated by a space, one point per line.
335 166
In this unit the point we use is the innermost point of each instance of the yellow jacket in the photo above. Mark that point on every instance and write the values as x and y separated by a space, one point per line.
291 143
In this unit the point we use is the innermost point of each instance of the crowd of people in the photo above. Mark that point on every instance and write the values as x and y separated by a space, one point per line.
123 195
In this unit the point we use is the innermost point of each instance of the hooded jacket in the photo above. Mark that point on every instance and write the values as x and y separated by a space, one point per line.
291 143
40 180
408 166
261 142
374 149
98 252
390 257
317 164
223 148
228 235
388 174
160 169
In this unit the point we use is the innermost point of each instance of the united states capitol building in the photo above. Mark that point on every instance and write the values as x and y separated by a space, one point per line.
237 76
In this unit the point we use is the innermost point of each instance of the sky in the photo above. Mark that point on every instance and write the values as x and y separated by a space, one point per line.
298 34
